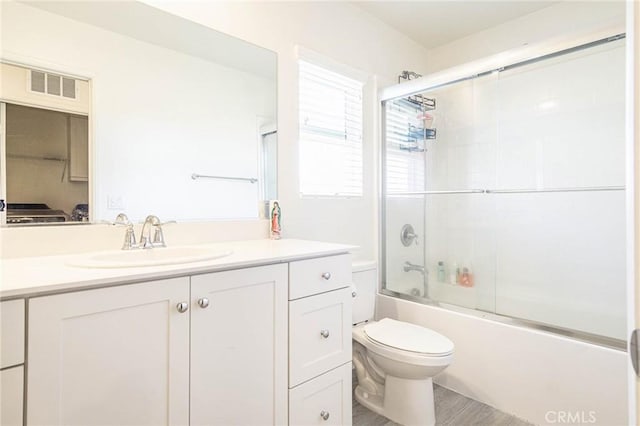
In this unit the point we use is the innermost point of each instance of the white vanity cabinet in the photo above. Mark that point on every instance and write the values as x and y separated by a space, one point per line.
320 341
12 315
239 347
208 349
116 355
246 345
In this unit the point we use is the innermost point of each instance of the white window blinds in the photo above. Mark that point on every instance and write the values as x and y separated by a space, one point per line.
405 148
330 131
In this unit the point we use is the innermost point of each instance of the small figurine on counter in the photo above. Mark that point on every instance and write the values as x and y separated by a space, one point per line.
276 215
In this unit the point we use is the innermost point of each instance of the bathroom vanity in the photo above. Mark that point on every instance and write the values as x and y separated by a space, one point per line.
261 336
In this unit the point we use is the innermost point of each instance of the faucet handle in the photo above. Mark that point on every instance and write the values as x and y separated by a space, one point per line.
158 235
408 235
121 219
129 238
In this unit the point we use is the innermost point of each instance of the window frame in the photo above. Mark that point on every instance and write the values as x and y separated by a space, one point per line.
316 59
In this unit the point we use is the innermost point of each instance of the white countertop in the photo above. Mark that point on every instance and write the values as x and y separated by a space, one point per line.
29 276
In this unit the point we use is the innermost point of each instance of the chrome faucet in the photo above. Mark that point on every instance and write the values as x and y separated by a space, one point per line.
146 242
130 236
408 266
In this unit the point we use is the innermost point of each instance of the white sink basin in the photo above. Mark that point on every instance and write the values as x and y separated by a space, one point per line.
148 257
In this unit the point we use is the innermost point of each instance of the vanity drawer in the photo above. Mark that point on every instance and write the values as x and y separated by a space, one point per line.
313 276
327 396
319 334
11 333
11 396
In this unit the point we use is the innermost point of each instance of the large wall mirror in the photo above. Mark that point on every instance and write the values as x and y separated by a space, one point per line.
111 107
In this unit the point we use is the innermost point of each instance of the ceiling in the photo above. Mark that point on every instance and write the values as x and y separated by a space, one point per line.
434 23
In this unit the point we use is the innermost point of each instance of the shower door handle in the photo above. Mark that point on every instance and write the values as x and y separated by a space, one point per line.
634 349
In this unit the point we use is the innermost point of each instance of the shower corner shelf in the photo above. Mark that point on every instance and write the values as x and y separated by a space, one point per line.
427 104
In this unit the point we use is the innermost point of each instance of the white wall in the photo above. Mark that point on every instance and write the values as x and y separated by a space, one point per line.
560 20
158 116
28 241
345 34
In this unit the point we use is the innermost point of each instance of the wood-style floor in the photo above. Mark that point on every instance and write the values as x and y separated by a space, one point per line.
452 409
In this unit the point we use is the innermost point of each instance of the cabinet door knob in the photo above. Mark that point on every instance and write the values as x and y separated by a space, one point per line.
326 275
203 302
324 415
182 307
324 333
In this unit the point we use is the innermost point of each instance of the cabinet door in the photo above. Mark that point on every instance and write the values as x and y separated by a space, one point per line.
11 333
323 401
11 395
112 356
319 334
239 347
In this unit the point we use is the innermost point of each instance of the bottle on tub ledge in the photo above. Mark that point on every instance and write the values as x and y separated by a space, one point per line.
466 277
454 274
441 272
275 216
461 276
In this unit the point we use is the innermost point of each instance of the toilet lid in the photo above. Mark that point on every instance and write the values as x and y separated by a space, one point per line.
408 337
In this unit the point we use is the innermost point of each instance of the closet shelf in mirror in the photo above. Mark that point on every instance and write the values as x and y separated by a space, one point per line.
43 158
35 157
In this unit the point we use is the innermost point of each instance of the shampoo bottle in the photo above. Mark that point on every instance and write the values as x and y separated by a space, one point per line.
441 274
466 278
453 274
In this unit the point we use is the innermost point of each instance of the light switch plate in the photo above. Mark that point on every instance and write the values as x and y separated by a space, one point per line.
115 202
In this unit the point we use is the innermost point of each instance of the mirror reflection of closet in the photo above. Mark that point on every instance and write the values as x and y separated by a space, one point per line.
45 125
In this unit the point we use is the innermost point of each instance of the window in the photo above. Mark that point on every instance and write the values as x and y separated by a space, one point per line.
330 132
405 151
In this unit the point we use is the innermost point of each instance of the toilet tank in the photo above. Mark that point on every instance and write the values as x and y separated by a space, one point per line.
365 280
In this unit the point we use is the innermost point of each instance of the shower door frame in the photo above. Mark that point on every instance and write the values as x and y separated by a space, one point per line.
472 70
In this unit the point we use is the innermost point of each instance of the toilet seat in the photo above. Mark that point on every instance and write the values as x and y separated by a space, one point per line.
408 337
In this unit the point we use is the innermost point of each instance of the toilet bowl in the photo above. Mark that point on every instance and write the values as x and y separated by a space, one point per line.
395 361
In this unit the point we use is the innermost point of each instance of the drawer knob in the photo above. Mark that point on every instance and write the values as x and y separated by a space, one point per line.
182 307
326 276
324 333
203 303
324 415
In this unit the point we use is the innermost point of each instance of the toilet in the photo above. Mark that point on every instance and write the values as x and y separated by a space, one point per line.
395 361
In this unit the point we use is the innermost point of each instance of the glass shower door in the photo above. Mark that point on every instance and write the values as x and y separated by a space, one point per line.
559 191
513 184
434 183
460 219
404 205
